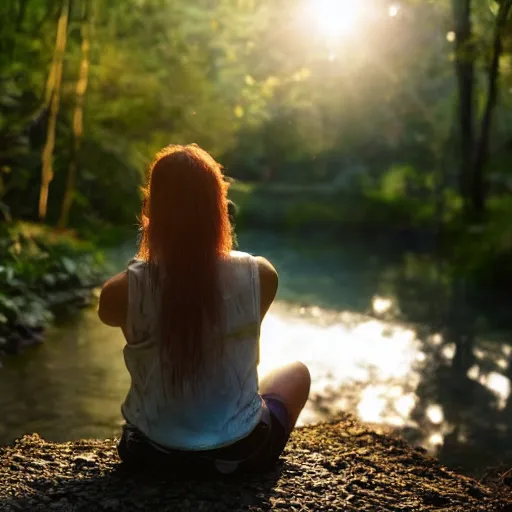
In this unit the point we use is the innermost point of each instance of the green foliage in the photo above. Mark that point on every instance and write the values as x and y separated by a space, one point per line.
484 252
326 208
254 83
40 270
352 130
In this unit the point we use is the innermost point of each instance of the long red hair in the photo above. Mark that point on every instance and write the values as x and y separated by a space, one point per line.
185 232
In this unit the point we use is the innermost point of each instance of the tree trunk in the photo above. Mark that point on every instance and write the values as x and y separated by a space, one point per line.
52 98
440 183
479 186
81 88
464 68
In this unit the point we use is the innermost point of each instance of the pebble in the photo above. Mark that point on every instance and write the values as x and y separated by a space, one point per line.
325 468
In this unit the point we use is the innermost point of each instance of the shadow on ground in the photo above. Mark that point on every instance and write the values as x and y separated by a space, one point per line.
336 466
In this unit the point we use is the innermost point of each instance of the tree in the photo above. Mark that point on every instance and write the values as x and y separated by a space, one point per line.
465 73
268 95
78 123
479 188
474 148
52 99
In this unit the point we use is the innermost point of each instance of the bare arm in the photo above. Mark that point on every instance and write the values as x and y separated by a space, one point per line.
268 284
113 305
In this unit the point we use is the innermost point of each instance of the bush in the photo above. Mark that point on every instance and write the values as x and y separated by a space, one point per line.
41 269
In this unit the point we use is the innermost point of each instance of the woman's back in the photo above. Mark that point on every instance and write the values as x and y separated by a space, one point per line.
191 309
224 405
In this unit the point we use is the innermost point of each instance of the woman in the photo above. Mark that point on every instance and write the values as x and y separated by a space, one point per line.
190 309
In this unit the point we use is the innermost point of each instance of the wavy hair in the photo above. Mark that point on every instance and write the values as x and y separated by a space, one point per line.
185 232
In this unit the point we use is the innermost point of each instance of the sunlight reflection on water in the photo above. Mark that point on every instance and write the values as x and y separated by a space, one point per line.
435 414
72 386
376 363
371 367
494 381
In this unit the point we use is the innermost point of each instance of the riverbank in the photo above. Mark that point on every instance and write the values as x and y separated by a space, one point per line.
480 253
42 272
333 466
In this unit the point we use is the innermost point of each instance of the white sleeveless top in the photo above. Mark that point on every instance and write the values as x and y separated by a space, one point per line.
226 407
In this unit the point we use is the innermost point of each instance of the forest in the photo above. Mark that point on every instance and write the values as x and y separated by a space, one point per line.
368 145
363 117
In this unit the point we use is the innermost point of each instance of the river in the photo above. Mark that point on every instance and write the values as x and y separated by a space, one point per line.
371 324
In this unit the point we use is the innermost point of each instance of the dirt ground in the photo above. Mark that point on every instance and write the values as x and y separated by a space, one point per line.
338 466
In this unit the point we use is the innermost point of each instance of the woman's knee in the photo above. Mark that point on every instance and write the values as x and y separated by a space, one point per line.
290 382
302 368
302 371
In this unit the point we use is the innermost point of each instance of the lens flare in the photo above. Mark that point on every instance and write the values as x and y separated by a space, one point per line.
335 18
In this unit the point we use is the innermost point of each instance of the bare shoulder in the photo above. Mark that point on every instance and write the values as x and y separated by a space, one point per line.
266 270
113 304
269 281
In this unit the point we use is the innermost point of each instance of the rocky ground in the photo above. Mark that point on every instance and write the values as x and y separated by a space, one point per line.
340 466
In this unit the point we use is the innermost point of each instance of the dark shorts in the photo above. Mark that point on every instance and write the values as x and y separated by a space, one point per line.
259 451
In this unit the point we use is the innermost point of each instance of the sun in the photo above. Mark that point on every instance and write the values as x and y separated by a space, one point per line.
334 18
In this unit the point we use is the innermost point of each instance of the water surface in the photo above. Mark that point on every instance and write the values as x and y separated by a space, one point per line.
344 311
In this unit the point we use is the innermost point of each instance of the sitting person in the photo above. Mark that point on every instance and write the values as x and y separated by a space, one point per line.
190 309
